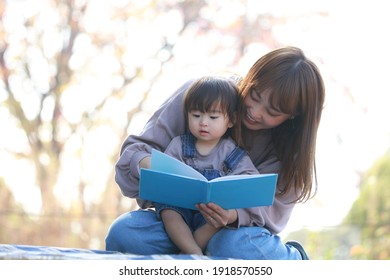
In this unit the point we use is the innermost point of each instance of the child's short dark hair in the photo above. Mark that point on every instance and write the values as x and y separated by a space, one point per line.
207 92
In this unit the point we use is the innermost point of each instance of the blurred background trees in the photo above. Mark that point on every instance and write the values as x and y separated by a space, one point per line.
77 76
364 232
370 213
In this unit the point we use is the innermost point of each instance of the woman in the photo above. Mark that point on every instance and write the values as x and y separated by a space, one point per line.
282 98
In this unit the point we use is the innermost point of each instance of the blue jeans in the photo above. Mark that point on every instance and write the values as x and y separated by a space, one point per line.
141 232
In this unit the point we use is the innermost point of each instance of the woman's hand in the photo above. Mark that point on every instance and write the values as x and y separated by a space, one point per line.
145 163
217 216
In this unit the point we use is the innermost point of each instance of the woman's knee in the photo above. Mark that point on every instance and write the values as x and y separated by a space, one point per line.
249 243
115 235
139 232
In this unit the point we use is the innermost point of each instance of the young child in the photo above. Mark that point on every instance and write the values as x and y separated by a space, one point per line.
210 106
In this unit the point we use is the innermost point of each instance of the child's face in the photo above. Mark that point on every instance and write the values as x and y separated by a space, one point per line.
208 126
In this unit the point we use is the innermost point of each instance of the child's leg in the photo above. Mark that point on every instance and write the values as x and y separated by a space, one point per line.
179 232
203 234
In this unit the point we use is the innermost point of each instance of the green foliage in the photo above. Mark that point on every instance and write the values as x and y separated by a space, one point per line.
365 231
371 212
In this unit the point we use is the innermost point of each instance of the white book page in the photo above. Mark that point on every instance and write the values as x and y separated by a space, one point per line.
240 177
164 163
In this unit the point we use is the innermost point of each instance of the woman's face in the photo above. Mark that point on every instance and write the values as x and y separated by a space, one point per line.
258 112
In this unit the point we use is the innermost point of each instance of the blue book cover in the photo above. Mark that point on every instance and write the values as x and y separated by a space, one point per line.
172 182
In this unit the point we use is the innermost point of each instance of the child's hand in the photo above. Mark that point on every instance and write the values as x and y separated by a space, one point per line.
217 216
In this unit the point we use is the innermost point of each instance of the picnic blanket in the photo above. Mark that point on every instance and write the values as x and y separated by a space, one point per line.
28 252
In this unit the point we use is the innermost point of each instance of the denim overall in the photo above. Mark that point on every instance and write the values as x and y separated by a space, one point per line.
192 217
231 161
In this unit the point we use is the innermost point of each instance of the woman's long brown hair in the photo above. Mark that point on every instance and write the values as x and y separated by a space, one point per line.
297 89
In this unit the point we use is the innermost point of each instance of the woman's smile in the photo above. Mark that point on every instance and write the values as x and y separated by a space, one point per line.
250 119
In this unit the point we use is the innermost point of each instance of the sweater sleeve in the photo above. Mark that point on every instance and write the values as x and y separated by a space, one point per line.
166 123
274 217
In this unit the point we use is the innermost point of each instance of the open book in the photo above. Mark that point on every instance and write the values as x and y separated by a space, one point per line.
172 182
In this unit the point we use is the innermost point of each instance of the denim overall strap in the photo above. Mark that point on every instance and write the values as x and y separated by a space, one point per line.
188 145
189 152
233 159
